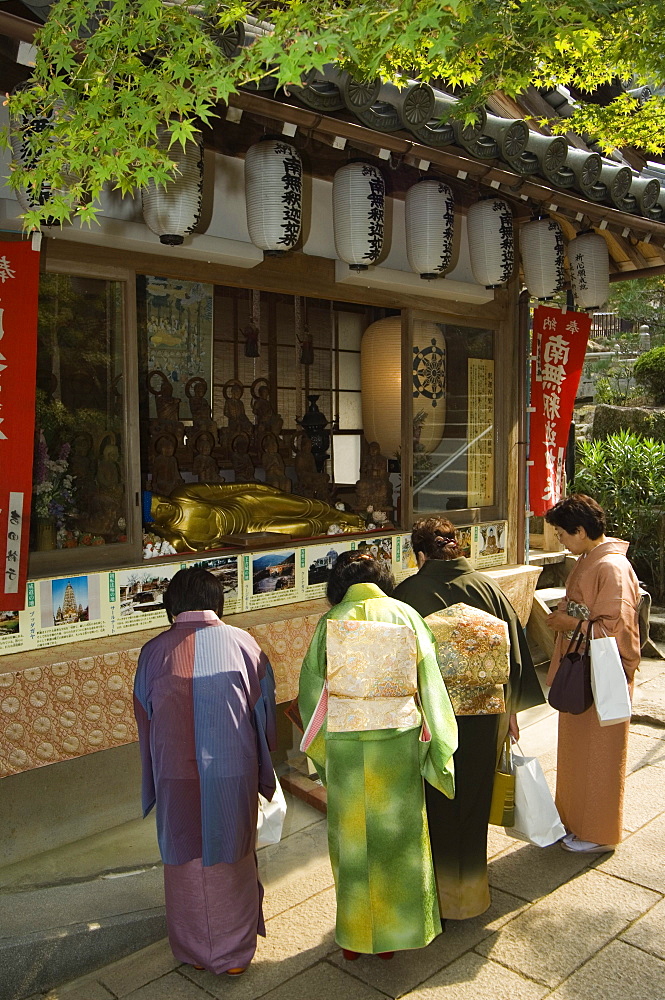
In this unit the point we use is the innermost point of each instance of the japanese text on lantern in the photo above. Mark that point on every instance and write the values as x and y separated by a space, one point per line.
560 340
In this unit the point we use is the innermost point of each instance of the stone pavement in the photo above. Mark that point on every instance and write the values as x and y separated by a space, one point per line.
561 926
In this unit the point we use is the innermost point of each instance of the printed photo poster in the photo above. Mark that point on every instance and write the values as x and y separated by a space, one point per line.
464 542
13 630
379 548
18 630
227 569
317 562
271 578
175 331
489 545
137 597
69 609
405 563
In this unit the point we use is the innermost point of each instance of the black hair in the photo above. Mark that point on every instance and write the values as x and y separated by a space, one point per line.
435 538
194 589
578 511
358 567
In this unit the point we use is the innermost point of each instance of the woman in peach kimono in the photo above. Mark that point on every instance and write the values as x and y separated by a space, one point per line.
591 760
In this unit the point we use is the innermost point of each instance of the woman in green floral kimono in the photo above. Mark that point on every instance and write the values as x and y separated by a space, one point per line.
378 720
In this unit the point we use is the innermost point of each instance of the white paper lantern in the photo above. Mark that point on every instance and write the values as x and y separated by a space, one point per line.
273 195
25 138
173 211
358 212
430 228
541 245
491 243
589 270
381 382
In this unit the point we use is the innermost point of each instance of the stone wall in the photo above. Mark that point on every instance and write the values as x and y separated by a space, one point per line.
642 420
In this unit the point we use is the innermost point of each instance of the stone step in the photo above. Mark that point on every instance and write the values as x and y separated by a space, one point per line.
657 625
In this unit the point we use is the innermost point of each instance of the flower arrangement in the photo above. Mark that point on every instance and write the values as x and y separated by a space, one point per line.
53 488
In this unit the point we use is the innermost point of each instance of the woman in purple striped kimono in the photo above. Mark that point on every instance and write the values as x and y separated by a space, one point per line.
204 700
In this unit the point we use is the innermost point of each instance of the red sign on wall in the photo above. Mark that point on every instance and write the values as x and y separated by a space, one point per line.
19 289
559 345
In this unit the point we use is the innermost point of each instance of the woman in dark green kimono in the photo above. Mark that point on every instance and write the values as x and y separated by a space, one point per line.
377 821
458 828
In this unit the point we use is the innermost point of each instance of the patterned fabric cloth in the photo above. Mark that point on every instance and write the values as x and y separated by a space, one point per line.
377 824
372 676
473 649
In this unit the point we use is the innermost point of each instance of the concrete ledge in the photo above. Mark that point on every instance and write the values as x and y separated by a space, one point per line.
44 959
51 935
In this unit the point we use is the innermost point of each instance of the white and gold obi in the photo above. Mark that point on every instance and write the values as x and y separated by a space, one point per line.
372 676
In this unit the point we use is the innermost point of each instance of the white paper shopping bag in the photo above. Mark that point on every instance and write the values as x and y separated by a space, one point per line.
536 818
608 682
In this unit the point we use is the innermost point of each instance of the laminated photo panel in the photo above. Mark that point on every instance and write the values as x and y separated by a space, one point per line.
271 578
489 544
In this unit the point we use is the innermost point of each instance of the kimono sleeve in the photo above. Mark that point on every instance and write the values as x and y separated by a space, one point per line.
615 607
312 679
142 713
524 690
436 763
265 722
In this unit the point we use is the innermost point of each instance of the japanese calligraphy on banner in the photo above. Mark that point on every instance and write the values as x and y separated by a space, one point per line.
19 286
480 433
559 345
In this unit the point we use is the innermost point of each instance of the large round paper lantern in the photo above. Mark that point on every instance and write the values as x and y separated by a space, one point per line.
589 270
491 242
273 195
381 383
358 212
541 245
430 228
171 212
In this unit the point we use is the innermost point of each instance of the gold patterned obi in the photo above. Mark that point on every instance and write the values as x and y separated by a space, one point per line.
372 676
473 650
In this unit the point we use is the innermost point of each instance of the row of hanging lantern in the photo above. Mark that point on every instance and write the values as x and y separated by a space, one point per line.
273 194
273 187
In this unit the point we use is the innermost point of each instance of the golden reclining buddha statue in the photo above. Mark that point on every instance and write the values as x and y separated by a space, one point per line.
199 515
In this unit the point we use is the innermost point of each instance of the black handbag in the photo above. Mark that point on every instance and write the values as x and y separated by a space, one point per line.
571 688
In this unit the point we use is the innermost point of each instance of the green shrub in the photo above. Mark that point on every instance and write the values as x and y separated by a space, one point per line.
649 372
625 473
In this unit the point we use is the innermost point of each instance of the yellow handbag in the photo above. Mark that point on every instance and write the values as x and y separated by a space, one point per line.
502 810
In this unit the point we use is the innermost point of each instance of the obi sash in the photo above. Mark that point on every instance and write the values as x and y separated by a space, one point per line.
372 679
473 650
372 676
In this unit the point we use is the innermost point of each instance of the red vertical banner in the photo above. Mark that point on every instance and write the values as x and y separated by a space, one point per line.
559 345
19 290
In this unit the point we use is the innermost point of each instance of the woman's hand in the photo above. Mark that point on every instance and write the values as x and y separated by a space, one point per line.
559 621
513 728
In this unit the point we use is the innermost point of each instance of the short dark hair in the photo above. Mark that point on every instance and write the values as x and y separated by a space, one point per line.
194 589
358 567
433 536
578 511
